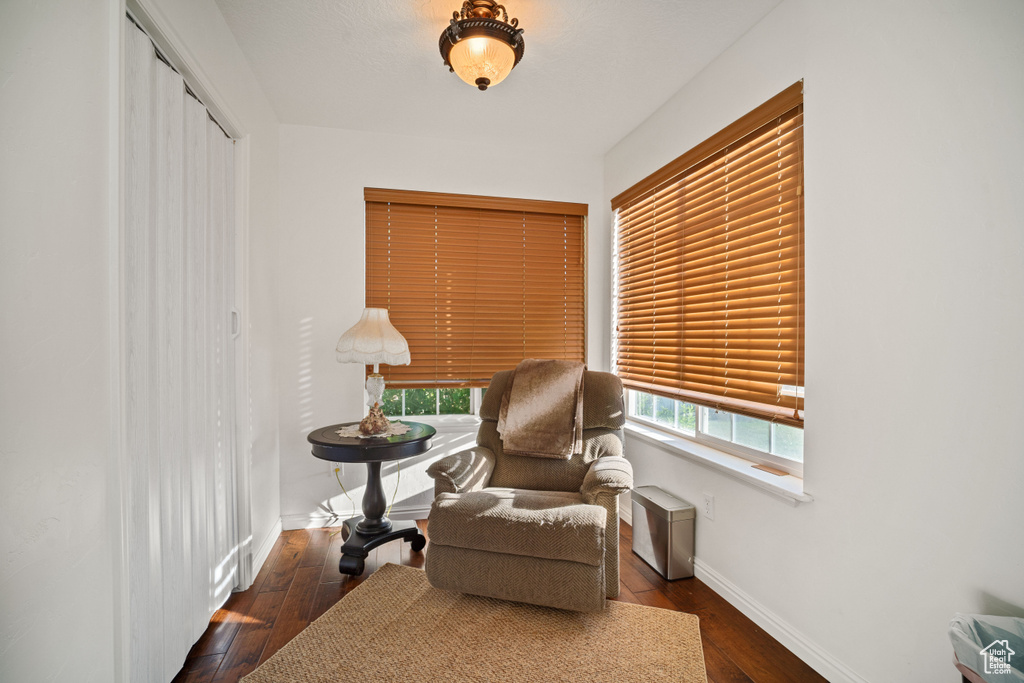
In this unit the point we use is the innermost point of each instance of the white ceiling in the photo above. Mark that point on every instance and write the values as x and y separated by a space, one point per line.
592 70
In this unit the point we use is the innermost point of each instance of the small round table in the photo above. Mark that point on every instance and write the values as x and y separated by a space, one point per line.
373 528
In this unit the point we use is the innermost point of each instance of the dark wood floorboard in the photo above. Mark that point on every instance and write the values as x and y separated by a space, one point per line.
720 668
329 572
300 581
655 598
626 595
295 611
228 619
199 669
316 550
246 649
287 562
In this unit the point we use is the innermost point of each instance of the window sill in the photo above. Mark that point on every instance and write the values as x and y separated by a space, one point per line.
788 487
444 423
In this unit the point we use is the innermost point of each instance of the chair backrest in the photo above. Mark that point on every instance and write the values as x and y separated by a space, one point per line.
603 417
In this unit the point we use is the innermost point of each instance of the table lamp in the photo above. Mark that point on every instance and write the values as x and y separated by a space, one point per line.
372 341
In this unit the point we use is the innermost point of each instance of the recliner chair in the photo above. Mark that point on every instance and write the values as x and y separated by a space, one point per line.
537 530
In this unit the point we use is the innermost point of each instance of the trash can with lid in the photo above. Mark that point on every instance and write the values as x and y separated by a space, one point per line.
663 531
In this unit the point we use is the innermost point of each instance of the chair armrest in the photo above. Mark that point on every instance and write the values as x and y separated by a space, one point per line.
463 471
610 474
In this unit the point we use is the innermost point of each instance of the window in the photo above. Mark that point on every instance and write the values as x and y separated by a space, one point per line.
475 284
709 285
763 441
421 402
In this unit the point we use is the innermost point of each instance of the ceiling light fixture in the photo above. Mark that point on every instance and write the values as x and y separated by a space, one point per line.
478 46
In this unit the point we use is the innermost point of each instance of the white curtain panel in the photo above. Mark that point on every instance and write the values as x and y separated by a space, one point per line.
178 292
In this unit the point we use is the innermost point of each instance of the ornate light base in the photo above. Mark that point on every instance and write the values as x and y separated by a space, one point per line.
374 422
375 388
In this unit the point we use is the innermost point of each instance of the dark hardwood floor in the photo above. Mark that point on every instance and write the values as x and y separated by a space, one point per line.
300 581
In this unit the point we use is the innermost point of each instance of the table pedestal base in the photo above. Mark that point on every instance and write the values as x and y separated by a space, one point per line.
358 544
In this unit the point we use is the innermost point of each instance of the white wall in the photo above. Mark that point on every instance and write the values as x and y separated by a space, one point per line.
56 460
915 287
60 524
321 287
199 26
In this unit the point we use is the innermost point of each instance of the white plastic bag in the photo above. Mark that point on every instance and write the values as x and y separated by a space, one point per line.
992 647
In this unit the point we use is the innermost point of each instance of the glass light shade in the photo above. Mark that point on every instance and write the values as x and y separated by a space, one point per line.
482 57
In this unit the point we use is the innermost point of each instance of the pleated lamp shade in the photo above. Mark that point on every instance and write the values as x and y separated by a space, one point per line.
373 340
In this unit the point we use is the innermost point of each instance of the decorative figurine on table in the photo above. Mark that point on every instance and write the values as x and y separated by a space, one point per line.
375 422
371 341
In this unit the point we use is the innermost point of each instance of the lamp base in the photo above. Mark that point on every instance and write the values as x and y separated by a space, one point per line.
374 388
375 422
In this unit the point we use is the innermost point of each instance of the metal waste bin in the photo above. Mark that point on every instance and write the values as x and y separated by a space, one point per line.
663 531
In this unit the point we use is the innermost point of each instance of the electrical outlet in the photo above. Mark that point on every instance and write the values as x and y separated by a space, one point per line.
709 506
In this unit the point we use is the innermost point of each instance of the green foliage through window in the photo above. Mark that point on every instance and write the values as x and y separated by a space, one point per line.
391 404
454 402
421 401
427 402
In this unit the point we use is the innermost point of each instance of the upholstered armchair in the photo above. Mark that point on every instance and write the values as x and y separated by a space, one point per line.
537 530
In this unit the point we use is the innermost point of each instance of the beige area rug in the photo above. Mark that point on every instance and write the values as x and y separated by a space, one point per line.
396 627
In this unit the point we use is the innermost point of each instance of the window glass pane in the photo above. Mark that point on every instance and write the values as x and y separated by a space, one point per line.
643 404
752 432
454 402
789 442
718 423
421 402
665 411
391 403
687 417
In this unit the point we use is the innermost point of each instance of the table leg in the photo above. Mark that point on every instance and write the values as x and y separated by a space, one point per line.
358 545
374 503
371 530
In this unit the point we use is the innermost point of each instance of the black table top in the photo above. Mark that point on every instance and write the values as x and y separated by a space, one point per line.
327 445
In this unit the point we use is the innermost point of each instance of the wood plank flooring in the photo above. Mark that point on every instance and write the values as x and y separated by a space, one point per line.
300 581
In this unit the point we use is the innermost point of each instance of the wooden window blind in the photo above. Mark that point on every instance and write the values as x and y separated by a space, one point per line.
710 294
475 284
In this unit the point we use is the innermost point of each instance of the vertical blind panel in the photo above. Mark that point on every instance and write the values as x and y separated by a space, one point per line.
710 277
475 290
166 337
220 263
198 548
179 406
145 604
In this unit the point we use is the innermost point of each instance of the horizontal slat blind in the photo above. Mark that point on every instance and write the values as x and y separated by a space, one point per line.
710 274
474 290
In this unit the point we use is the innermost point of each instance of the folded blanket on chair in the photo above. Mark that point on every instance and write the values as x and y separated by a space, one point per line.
541 411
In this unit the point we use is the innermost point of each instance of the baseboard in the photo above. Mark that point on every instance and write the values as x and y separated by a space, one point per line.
268 544
804 648
315 520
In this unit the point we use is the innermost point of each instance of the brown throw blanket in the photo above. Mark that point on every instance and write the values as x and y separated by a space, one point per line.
542 409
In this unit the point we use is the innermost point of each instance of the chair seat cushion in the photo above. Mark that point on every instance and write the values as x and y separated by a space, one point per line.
550 524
